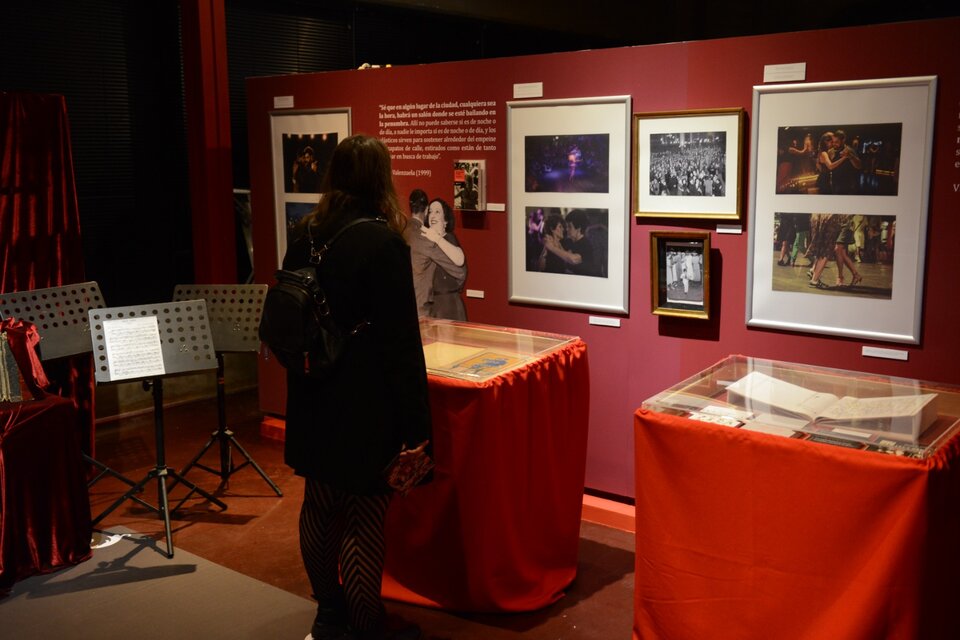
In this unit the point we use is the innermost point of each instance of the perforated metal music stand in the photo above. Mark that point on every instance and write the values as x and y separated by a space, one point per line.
185 346
60 316
234 311
59 313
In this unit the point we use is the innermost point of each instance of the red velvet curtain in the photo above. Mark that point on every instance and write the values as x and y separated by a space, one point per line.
40 223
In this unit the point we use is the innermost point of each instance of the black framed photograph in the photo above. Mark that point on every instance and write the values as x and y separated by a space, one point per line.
839 194
687 164
568 195
680 273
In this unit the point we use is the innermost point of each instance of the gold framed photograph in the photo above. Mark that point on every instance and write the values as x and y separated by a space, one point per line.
680 273
687 164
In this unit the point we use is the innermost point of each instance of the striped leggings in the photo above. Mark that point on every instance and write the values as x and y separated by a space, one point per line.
341 536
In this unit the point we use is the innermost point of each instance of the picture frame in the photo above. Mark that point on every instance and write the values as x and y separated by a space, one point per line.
862 153
680 274
302 143
568 195
688 164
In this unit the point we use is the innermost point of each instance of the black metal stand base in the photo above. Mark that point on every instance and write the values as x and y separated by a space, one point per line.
161 472
225 437
162 509
104 471
227 440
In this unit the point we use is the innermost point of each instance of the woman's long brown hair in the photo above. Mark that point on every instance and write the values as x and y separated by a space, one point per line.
358 182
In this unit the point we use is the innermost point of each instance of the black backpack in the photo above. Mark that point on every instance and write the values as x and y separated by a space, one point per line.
296 324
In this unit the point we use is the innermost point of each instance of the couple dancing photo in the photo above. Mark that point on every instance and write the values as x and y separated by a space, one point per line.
439 264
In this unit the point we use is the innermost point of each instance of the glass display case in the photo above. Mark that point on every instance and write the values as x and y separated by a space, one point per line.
898 416
478 352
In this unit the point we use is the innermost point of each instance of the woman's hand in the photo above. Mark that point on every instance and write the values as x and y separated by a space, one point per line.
431 234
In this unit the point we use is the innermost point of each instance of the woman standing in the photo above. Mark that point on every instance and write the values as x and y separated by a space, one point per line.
343 430
438 228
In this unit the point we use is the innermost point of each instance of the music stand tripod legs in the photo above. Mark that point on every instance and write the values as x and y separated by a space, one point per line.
226 438
160 472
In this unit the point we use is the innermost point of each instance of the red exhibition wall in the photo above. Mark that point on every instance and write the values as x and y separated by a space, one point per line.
646 353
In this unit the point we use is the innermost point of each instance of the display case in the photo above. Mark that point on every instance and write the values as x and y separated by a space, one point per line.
478 352
887 414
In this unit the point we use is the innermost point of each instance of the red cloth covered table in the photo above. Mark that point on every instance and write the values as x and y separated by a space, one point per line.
746 535
44 505
498 529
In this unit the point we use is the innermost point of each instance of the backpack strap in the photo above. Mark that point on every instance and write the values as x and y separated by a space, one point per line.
316 255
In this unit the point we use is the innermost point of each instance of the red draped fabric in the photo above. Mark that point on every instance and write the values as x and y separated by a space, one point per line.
498 529
44 505
746 535
40 223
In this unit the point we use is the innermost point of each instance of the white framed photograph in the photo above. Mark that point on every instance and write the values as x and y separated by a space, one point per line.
568 166
302 143
688 164
839 194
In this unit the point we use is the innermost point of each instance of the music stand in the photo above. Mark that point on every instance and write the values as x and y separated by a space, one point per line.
148 343
60 316
234 311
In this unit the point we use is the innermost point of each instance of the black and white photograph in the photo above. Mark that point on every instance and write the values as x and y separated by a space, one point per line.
568 192
302 143
680 273
567 163
687 164
834 254
839 159
838 225
571 241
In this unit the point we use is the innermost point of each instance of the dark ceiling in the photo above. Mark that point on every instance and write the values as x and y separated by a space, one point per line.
629 22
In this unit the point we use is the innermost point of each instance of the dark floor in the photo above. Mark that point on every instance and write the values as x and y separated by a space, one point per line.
257 534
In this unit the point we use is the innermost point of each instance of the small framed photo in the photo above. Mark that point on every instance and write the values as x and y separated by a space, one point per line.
687 164
680 273
303 143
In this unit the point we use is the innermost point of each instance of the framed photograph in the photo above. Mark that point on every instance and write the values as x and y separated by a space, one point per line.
687 164
839 194
568 195
680 273
302 143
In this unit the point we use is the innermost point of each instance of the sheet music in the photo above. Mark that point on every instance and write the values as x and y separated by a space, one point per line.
133 347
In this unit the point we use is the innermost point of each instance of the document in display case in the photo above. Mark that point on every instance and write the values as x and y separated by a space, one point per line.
887 414
478 352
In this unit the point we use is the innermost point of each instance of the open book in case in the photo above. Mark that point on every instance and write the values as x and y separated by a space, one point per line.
478 352
887 414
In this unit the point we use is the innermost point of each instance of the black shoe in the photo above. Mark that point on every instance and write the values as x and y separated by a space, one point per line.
330 622
408 631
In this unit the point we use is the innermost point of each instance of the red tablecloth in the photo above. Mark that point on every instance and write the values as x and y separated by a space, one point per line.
498 528
746 535
44 505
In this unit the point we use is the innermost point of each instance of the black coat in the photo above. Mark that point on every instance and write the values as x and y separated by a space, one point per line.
345 429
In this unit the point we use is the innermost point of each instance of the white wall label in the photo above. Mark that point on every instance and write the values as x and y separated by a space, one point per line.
890 354
604 322
795 72
528 90
283 102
